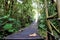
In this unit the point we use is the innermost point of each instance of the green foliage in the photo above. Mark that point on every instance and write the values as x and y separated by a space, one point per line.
42 19
11 19
7 26
15 16
42 25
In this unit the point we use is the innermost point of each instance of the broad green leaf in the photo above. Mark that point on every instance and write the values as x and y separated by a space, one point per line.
7 26
11 19
11 30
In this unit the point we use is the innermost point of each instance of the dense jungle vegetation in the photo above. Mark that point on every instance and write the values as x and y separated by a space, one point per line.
18 14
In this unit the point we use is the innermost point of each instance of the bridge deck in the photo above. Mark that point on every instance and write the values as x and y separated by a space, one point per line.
26 32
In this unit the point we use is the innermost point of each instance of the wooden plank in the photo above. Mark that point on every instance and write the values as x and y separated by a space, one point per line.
26 32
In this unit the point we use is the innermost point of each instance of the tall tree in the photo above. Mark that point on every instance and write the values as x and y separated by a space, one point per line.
6 6
58 7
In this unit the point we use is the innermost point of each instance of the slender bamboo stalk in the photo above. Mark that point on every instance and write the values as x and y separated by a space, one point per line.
48 24
54 28
52 16
6 6
11 6
49 29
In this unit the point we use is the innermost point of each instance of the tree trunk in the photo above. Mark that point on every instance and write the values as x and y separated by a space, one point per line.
58 7
11 6
6 6
49 28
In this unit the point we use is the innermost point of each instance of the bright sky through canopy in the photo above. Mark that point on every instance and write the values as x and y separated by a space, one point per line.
20 1
37 14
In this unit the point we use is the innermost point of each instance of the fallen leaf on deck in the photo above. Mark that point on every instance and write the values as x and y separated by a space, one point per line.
34 34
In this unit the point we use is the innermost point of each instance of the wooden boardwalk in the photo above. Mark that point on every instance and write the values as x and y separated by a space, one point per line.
33 28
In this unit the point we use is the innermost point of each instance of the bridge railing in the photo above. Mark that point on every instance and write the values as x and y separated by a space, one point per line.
50 25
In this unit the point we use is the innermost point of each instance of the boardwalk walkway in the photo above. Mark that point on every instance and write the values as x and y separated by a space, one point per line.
33 28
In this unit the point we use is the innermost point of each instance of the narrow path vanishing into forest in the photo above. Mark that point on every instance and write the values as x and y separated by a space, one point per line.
25 34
